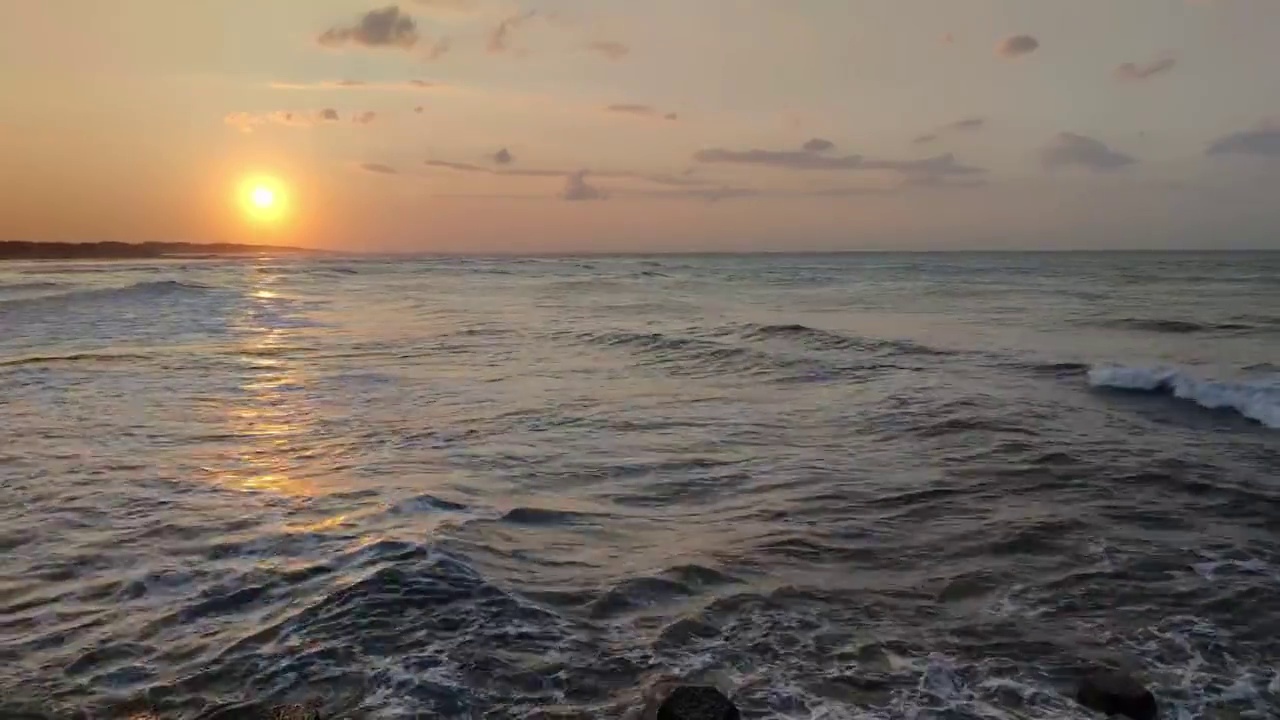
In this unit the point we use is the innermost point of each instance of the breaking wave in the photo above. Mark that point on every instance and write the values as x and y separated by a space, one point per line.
1257 400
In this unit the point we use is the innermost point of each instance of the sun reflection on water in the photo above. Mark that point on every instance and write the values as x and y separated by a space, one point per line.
273 419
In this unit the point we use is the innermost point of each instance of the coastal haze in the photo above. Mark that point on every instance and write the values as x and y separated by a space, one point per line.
868 485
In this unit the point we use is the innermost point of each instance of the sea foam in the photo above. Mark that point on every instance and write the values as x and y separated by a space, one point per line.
1257 399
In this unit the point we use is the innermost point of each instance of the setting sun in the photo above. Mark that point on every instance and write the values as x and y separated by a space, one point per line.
263 199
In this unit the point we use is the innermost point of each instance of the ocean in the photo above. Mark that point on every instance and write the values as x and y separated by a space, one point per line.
836 486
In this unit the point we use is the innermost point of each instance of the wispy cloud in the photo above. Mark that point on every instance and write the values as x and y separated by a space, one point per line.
387 27
579 185
405 86
818 145
720 193
461 167
1017 45
439 48
968 124
1069 149
938 166
791 159
931 169
248 122
242 121
1261 142
500 36
379 168
1144 71
448 6
640 111
706 194
576 188
610 49
686 180
512 172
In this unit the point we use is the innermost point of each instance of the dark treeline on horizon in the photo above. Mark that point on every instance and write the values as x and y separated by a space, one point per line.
31 250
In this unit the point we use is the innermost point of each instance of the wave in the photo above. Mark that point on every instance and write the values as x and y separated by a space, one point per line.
1059 369
160 286
826 340
953 426
37 285
695 355
425 504
1176 327
1265 321
809 337
819 356
73 358
1258 399
542 516
147 289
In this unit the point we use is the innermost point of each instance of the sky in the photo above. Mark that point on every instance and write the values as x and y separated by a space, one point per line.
665 125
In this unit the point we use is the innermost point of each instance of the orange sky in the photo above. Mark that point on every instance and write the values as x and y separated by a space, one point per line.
562 125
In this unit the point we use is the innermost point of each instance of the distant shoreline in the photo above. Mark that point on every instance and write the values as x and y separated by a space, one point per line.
30 250
111 250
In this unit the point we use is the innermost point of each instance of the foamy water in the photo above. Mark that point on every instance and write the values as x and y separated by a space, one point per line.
867 486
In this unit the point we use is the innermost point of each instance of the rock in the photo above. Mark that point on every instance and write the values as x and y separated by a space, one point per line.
1117 694
697 702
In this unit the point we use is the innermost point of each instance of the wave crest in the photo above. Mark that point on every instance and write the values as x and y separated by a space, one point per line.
1175 327
1257 400
827 340
140 290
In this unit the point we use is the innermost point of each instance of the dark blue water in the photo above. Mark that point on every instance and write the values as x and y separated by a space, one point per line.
859 486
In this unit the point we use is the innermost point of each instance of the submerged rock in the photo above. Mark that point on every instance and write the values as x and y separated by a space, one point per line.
696 702
1117 694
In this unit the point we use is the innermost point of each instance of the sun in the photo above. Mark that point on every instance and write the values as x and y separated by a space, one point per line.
263 199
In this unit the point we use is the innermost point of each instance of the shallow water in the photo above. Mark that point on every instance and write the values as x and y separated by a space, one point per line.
837 486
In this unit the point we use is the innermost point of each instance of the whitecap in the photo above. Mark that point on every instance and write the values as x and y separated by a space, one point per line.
1257 399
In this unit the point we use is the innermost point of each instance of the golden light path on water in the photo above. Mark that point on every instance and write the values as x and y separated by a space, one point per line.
273 418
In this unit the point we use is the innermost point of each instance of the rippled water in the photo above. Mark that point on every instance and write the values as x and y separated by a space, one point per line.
837 486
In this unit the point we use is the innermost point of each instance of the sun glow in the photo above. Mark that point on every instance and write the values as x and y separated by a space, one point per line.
263 199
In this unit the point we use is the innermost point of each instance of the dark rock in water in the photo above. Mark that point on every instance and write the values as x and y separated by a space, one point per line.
1117 694
695 702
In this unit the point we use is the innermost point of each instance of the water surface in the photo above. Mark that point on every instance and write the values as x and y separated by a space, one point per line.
838 486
